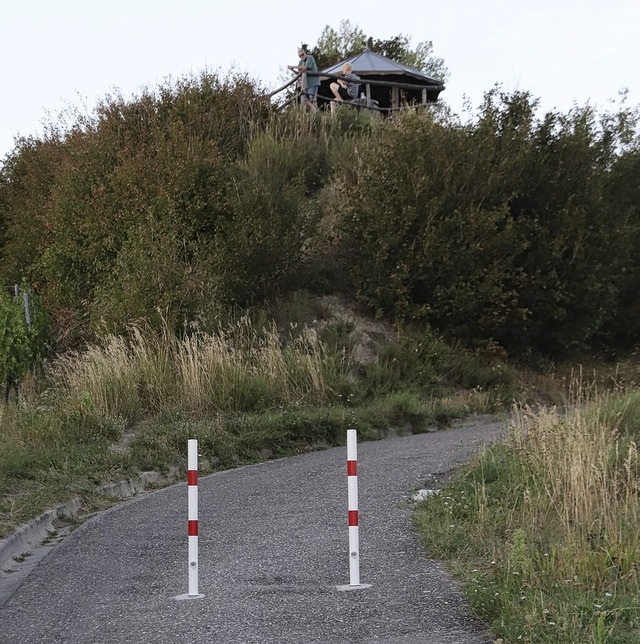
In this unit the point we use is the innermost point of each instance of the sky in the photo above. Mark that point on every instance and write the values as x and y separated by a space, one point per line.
69 54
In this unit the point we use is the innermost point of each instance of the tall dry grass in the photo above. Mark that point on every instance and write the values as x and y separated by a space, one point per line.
236 369
544 526
583 486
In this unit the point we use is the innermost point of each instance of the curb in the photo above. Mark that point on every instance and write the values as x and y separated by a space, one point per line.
33 535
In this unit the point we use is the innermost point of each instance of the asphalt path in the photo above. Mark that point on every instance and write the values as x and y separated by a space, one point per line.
273 550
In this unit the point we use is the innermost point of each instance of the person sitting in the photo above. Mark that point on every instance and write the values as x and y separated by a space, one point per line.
345 88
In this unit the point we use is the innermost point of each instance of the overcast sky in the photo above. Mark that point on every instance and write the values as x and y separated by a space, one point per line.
71 53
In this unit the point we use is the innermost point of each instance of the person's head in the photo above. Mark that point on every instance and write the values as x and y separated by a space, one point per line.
346 68
302 53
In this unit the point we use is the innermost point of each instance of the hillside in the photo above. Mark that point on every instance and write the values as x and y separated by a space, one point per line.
511 232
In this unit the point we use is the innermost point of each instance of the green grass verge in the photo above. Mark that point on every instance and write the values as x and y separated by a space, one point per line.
44 461
542 530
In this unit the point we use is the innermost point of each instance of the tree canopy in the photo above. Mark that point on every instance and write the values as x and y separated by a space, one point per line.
348 40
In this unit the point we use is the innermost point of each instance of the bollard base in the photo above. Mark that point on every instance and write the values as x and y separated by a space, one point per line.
359 587
187 596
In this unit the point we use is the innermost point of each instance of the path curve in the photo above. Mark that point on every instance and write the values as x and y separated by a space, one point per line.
273 549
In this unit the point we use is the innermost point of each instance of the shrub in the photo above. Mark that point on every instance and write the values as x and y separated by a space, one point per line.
500 231
109 216
23 334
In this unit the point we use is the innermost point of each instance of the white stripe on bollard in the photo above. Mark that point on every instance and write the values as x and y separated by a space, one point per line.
192 518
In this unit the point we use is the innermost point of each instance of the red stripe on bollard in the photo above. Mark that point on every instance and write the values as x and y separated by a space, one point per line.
352 468
192 477
193 528
353 518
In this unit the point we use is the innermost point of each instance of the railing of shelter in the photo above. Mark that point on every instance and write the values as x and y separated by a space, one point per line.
300 79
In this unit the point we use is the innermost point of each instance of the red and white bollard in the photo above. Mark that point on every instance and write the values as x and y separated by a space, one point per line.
354 535
192 518
352 482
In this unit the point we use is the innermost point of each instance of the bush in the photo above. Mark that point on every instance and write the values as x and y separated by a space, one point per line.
500 231
23 335
110 216
514 231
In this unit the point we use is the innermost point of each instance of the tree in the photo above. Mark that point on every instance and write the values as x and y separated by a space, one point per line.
336 45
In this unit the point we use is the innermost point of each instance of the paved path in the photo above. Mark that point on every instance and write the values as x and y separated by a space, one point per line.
273 549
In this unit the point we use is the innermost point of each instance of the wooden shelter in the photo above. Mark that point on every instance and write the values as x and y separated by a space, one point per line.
389 83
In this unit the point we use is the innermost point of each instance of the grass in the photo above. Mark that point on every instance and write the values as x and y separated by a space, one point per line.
249 391
543 529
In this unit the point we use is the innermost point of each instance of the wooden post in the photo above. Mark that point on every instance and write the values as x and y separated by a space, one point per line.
395 97
303 85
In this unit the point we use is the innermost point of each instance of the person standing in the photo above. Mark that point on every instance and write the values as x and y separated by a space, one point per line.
345 88
312 82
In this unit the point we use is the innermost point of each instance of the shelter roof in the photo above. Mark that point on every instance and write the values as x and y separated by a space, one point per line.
370 63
